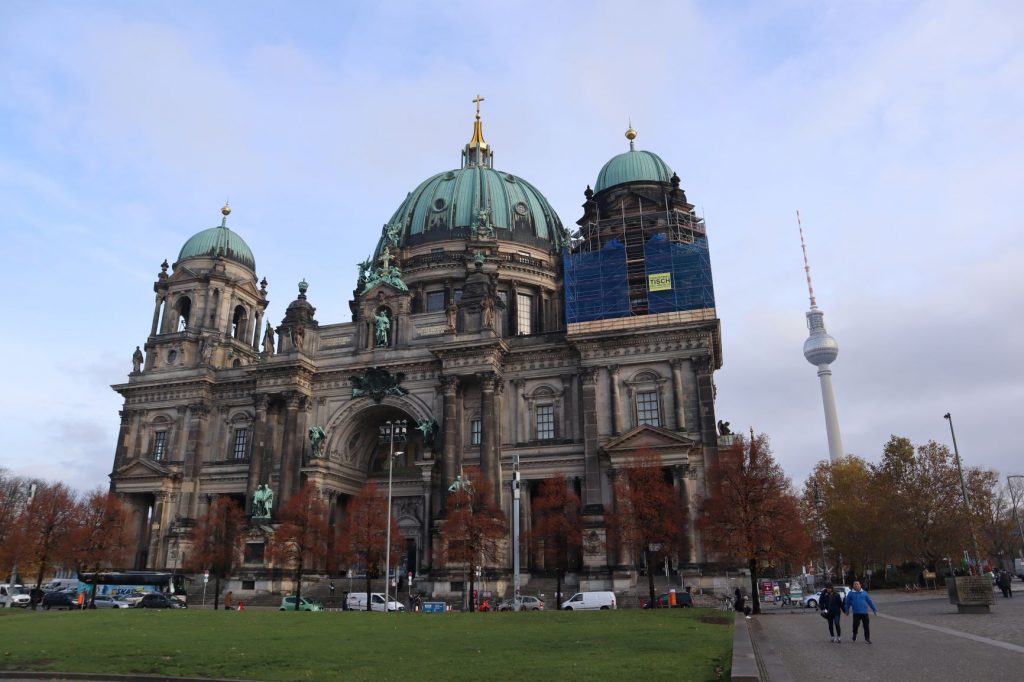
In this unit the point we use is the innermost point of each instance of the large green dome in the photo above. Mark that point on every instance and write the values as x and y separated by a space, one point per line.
218 241
636 165
463 201
452 201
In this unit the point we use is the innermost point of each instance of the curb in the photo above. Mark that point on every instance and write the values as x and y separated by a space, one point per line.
744 662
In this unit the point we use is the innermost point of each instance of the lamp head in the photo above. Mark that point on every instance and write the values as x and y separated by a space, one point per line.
946 416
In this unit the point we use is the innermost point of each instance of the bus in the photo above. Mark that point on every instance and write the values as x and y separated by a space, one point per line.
130 586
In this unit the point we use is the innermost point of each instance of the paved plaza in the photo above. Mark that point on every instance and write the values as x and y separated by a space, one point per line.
918 636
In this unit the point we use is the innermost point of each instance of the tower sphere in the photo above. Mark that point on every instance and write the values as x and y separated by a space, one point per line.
821 349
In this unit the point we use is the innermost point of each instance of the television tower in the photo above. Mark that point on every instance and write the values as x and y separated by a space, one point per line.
821 350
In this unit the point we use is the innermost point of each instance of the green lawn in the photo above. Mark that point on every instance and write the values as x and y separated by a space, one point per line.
683 644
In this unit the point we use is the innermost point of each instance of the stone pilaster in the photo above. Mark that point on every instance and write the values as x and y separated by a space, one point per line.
489 464
678 397
256 449
613 392
449 465
591 465
287 484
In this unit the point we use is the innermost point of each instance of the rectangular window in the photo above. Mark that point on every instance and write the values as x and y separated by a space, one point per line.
435 301
647 408
524 313
160 445
254 553
545 422
457 294
474 432
241 440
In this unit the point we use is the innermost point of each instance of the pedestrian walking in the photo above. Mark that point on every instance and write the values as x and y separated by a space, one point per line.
859 602
331 588
831 606
739 602
1005 584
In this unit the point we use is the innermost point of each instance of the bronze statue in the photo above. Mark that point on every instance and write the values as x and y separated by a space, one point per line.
723 428
383 324
317 436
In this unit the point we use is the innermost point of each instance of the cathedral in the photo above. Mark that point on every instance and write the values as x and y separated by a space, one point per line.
483 333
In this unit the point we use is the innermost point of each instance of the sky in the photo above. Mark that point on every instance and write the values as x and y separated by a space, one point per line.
896 128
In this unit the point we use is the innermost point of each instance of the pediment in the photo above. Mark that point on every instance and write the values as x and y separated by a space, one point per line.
647 437
141 468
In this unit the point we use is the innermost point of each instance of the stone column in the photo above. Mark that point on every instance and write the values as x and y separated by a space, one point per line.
703 367
450 386
678 396
121 449
591 465
156 314
289 450
563 429
198 414
489 465
257 331
425 555
616 411
256 449
516 408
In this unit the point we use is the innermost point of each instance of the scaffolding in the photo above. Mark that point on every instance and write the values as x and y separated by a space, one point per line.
647 263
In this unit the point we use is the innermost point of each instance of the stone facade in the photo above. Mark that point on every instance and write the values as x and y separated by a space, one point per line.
475 345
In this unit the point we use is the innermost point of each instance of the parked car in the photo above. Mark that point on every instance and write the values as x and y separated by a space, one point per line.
288 604
584 601
105 601
526 603
63 600
159 600
811 601
683 600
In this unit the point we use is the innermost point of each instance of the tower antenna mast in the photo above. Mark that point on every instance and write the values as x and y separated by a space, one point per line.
807 265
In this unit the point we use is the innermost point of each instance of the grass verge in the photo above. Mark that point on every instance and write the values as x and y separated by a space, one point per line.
683 644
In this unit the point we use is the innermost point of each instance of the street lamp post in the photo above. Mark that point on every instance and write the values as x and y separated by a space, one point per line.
515 532
963 488
392 427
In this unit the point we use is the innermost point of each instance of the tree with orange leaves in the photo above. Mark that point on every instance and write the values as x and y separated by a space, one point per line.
751 512
45 527
101 538
216 541
557 523
364 535
301 537
475 526
649 517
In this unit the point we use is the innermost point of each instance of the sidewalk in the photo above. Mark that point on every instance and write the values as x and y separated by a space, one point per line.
915 637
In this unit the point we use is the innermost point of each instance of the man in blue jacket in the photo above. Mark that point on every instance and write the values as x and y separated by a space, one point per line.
859 602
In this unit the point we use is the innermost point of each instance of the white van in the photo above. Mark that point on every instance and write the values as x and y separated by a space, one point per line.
582 601
357 602
58 584
13 595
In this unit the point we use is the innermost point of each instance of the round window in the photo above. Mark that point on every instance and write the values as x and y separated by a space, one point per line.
521 208
439 204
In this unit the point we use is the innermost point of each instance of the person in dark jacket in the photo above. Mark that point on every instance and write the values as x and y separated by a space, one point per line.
1003 581
859 602
739 602
831 606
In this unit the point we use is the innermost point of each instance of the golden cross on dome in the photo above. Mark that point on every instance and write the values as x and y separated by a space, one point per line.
477 101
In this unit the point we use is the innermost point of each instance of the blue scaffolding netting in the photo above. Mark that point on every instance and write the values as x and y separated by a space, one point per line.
677 277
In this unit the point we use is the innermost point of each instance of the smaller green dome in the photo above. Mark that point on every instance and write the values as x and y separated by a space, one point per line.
636 165
218 241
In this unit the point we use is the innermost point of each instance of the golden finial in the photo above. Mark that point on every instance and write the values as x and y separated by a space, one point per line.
631 135
477 141
226 211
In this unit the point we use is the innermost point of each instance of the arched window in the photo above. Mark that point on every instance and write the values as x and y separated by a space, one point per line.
239 323
184 308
